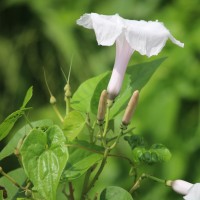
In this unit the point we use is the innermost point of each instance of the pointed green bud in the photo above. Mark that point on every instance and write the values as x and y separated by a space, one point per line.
102 107
52 100
130 109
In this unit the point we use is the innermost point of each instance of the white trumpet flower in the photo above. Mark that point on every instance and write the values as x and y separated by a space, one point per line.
146 37
189 190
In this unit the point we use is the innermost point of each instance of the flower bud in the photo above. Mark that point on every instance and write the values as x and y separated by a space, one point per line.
180 186
102 107
67 90
52 100
130 109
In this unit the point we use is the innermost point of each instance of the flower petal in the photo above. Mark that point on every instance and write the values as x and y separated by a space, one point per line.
148 38
194 192
181 187
107 28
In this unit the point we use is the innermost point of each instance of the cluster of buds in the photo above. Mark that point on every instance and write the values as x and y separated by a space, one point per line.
105 102
67 90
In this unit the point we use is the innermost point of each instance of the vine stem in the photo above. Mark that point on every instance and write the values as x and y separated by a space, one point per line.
106 121
103 162
86 181
11 179
67 105
71 191
143 176
28 121
110 155
58 113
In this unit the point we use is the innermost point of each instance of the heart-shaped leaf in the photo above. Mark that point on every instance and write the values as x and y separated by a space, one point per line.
13 142
44 156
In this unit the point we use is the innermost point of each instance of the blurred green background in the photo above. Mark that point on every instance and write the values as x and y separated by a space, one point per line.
43 33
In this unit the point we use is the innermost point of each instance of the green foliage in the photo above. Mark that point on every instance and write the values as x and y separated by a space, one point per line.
81 159
156 153
86 98
138 76
141 154
19 176
73 124
82 98
42 147
9 122
44 156
114 192
19 135
1 194
135 141
27 97
44 34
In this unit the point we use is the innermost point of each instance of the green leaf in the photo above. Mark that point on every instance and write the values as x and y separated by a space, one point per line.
100 86
9 122
136 78
157 153
86 98
81 159
19 176
44 156
1 194
135 141
28 96
163 153
13 142
73 124
115 193
138 153
81 99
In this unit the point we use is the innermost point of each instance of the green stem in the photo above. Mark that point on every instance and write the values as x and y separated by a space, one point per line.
71 191
86 181
103 162
106 121
11 179
26 118
58 113
90 129
155 178
117 140
67 99
64 191
143 176
94 151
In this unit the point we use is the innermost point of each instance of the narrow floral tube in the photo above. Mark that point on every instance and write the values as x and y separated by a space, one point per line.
146 37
